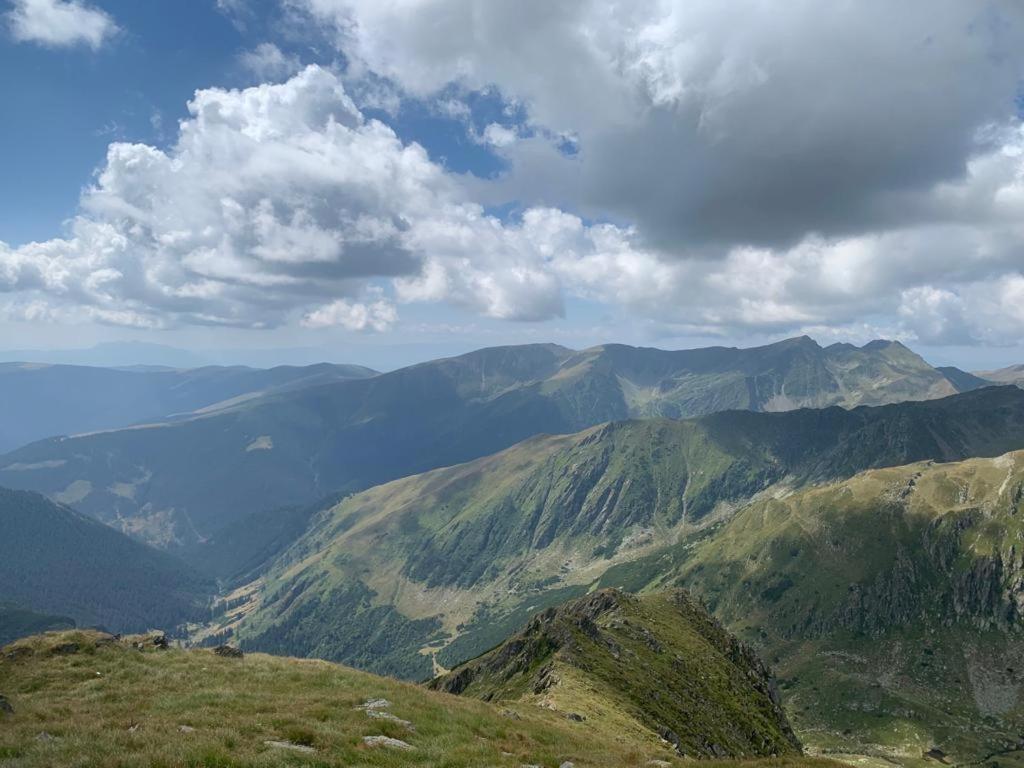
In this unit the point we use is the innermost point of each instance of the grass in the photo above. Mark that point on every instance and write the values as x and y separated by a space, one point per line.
112 706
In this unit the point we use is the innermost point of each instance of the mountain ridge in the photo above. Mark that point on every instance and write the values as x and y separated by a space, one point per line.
291 448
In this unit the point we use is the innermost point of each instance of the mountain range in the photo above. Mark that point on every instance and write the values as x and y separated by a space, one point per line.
420 574
516 525
178 483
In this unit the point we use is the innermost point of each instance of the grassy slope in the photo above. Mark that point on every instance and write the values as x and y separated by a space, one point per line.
657 664
886 602
470 551
116 707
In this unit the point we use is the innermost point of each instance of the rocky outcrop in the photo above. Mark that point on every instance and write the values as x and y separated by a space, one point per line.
652 658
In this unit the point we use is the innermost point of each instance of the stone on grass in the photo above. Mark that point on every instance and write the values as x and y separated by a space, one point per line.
228 652
5 706
186 729
290 745
375 704
386 741
376 713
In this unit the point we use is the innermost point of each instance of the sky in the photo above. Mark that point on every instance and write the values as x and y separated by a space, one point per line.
384 181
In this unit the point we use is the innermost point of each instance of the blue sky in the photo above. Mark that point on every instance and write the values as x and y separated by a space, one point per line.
653 173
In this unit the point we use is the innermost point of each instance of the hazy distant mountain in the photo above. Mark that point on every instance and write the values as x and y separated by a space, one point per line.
54 560
180 483
111 354
1013 374
41 400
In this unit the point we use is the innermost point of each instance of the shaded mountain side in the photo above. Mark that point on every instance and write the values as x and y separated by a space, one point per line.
964 381
38 400
56 561
658 663
462 554
17 622
103 702
240 551
178 484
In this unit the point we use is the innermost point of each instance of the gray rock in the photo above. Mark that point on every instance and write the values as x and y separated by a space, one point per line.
660 763
575 717
186 729
376 713
228 652
5 706
567 764
290 745
385 741
45 737
375 704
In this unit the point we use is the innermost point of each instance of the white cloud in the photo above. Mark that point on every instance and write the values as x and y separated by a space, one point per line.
268 62
60 23
717 123
279 203
377 316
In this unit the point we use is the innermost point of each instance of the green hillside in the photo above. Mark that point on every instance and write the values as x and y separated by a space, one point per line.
452 561
83 699
657 664
56 561
177 484
891 604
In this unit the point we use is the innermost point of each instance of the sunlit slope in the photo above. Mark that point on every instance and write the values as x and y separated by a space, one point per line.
657 664
83 699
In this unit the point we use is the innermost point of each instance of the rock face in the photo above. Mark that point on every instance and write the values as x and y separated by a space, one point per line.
658 660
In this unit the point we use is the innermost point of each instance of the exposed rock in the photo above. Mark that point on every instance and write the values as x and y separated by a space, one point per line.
386 741
186 729
575 717
376 713
567 764
45 737
659 763
511 714
290 745
5 706
228 652
375 704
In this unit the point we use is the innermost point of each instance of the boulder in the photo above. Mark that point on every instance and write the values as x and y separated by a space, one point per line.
5 707
228 652
386 741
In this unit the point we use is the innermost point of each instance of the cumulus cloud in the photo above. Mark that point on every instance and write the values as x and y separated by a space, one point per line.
279 202
737 122
60 23
353 316
268 62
